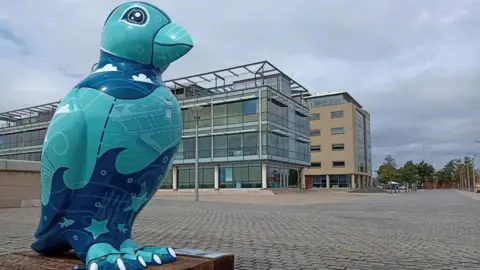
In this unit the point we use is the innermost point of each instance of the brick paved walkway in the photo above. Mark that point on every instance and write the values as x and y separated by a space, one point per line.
422 230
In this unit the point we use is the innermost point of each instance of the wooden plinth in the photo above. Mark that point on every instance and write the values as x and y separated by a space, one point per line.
186 259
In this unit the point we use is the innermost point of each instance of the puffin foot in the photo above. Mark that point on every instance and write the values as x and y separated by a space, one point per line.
103 256
152 255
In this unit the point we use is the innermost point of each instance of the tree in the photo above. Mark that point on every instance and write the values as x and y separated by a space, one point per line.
387 172
408 173
425 171
448 173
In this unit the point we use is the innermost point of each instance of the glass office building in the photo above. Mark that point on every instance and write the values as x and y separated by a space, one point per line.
251 133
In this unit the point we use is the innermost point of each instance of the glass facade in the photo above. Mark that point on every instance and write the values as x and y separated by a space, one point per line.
242 125
339 181
186 177
369 144
319 181
334 181
241 175
282 177
361 157
263 124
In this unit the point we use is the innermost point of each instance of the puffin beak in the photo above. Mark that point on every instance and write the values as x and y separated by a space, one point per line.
173 35
171 43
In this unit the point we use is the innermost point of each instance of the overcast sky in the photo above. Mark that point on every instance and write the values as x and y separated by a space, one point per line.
413 64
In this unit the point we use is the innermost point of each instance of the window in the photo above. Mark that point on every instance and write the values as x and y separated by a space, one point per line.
189 148
319 181
315 148
186 177
338 130
336 114
315 116
338 147
168 181
339 181
220 146
316 165
235 112
204 147
315 132
338 164
250 106
241 176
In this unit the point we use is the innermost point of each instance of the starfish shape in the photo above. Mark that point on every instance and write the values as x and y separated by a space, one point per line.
121 227
137 203
97 228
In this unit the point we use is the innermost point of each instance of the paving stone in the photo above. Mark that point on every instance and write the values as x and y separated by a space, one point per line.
418 230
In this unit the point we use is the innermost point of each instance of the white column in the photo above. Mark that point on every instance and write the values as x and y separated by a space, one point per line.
264 175
328 181
216 179
174 178
353 181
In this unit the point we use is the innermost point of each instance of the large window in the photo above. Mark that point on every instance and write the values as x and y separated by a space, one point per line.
339 181
204 147
36 156
336 114
282 177
337 130
168 181
338 164
315 116
360 142
338 147
278 145
319 181
316 165
233 145
23 139
250 106
241 176
301 123
189 121
277 112
315 132
235 112
186 177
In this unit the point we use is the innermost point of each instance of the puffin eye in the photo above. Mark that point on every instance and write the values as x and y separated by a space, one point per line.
136 16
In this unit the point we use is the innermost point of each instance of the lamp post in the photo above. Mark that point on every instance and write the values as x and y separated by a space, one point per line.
473 171
196 113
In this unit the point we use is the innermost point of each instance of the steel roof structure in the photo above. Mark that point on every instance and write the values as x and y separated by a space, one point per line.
19 114
218 81
222 80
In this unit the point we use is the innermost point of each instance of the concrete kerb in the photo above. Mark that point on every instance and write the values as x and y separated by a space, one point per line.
471 195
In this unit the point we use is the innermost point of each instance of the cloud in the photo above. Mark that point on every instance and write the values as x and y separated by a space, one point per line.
141 78
412 64
107 68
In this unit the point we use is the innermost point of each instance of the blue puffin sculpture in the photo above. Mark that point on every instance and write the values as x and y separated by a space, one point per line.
111 143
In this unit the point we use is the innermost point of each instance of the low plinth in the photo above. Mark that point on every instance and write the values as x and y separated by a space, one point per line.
186 259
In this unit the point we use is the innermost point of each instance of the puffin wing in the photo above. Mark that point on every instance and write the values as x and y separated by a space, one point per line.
63 153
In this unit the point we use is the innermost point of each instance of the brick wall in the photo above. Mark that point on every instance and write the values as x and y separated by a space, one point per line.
19 183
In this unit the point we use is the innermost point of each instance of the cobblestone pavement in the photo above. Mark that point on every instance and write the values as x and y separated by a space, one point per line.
420 230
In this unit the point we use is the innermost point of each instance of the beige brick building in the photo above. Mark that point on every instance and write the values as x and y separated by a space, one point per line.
340 142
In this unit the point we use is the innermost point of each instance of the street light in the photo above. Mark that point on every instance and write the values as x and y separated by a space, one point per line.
473 170
196 113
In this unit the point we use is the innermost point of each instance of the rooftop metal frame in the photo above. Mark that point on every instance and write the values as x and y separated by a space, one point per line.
218 81
221 81
329 94
19 114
